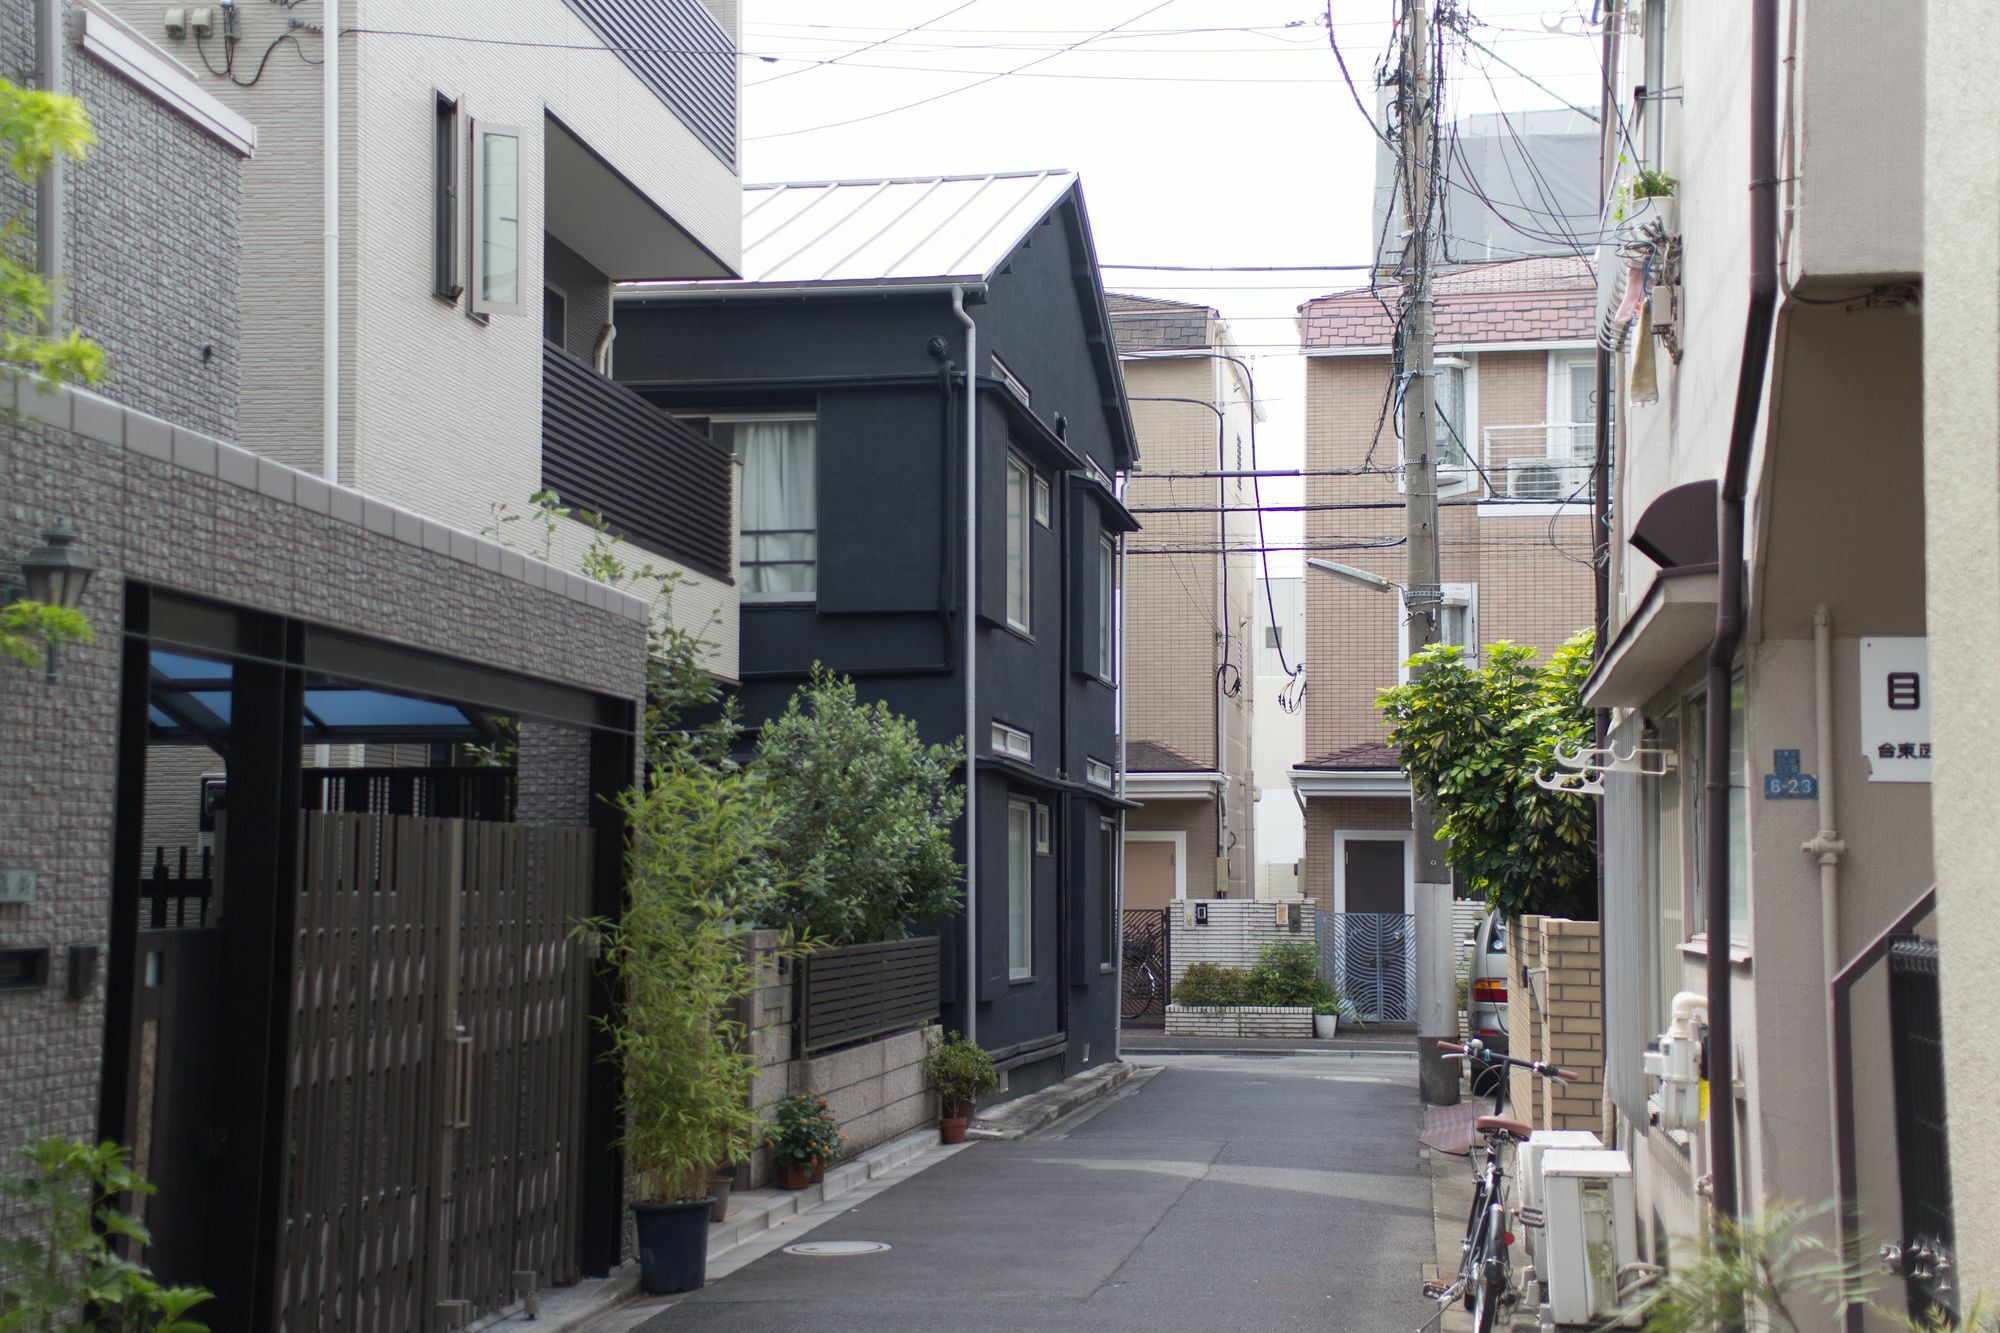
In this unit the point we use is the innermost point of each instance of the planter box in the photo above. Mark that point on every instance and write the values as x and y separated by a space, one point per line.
1249 1020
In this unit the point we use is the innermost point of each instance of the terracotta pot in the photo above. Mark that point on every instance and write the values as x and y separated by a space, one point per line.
951 1128
719 1185
792 1176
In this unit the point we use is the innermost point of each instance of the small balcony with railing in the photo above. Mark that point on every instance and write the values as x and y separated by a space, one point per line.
1543 463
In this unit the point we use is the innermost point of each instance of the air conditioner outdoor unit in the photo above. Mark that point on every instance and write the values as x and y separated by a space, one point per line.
1536 479
1589 1232
1528 1170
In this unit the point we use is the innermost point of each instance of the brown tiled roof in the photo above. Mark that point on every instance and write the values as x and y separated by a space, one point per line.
1365 758
1552 300
1148 324
1153 757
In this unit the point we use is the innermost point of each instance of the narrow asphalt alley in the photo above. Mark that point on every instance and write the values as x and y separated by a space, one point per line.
1226 1192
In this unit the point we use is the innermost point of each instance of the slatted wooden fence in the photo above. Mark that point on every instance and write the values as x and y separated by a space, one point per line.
435 1095
858 992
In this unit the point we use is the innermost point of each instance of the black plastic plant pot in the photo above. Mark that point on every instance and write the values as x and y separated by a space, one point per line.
673 1246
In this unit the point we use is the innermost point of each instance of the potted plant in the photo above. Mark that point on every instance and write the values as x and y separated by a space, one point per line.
720 1182
1326 1016
698 835
803 1139
1649 197
959 1071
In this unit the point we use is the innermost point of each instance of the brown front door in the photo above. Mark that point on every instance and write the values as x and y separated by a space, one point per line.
1374 875
1149 874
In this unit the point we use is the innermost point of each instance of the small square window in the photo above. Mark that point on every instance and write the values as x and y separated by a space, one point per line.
1097 773
1042 505
1013 741
1043 839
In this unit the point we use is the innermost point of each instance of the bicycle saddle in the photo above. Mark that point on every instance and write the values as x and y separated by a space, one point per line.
1500 1124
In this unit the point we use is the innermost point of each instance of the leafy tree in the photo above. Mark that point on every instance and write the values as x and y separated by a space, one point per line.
865 811
38 129
1473 738
52 1272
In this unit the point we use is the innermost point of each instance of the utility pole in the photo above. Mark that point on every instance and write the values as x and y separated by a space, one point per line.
1437 1078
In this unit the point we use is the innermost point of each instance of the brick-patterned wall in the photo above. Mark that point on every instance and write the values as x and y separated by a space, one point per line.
1557 1015
1237 933
1171 600
1531 573
1326 816
552 774
179 528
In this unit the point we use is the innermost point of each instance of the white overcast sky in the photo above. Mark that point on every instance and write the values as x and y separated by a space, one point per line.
1206 132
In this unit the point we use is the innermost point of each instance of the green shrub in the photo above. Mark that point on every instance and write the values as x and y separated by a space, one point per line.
1211 984
1287 973
50 1273
802 1132
959 1071
865 811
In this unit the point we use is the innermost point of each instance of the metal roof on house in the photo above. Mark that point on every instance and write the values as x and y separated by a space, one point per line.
908 230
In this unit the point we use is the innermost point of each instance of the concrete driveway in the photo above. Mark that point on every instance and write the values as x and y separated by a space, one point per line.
1257 1192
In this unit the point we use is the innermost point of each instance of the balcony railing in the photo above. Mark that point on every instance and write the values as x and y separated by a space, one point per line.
658 483
1548 461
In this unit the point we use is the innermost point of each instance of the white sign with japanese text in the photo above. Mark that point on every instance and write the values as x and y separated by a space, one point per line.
1896 709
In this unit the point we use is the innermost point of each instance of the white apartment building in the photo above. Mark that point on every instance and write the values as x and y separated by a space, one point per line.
1278 733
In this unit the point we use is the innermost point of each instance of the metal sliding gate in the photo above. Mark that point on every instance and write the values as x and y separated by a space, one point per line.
434 1096
1371 959
1916 1025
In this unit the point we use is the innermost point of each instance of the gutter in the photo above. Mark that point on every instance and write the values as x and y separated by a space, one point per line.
1720 1052
970 630
50 239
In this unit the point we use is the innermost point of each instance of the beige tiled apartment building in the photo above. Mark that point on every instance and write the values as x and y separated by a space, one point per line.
1516 391
1189 617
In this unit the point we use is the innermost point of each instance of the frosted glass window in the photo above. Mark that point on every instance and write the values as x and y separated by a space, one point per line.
1020 890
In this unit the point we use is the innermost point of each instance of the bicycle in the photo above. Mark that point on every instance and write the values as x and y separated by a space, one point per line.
1142 984
1485 1280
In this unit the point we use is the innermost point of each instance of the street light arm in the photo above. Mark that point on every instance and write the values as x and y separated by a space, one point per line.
1352 574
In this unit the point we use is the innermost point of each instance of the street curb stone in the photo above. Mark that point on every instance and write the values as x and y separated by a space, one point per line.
1025 1115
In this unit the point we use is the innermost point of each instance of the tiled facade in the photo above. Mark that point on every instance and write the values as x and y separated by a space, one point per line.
1190 617
1524 563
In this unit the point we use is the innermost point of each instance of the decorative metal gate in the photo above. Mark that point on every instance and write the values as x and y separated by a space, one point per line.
434 1094
1146 974
1917 1046
1371 959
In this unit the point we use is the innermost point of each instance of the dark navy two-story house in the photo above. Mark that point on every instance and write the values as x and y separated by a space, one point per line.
837 371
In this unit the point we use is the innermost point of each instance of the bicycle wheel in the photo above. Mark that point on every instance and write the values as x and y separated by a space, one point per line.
1139 992
1486 1306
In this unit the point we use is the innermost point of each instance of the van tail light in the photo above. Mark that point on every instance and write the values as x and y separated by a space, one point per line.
1489 992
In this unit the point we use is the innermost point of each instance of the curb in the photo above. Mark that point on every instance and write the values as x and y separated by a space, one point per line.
1038 1110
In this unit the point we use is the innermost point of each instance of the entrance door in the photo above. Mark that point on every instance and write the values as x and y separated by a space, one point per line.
1151 872
1374 968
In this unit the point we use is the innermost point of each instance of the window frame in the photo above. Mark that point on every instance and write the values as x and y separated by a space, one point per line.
1108 921
477 273
1562 365
1044 502
1001 738
1453 480
1021 891
447 197
745 593
1020 526
1107 609
1097 773
1465 595
549 289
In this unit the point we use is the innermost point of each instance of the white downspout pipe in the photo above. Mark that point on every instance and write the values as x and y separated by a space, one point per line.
330 263
51 235
970 667
1827 847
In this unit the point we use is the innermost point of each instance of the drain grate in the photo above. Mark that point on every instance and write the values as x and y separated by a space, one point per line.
836 1249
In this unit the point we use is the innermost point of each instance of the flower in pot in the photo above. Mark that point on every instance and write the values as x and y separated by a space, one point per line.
697 837
1326 1014
958 1070
803 1139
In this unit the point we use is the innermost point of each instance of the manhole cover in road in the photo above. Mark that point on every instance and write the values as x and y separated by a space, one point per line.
836 1248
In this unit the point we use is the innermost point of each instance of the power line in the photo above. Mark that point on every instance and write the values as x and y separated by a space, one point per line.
776 78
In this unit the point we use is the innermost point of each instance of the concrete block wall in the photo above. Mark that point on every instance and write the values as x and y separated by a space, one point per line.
875 1090
1238 930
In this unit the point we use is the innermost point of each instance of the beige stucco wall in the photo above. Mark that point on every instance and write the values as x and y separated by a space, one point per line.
442 412
1195 819
1961 463
1326 816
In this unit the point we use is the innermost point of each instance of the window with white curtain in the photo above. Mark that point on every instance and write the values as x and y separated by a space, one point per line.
496 219
1020 890
780 517
1107 604
1020 483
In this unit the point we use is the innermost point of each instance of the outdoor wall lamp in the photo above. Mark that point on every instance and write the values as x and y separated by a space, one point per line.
54 574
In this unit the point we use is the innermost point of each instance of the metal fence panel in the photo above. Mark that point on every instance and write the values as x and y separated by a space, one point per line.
1371 959
1147 972
859 992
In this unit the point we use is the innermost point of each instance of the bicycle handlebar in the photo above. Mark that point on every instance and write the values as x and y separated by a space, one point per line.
1476 1050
